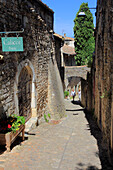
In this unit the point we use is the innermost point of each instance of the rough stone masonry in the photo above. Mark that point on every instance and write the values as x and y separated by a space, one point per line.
24 76
104 67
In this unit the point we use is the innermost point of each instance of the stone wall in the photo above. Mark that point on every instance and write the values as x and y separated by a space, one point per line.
37 20
104 67
86 92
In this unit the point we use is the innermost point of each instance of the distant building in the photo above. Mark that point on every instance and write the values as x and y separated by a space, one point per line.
71 73
69 41
68 52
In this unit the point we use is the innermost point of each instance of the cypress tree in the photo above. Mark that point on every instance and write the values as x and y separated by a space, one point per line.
84 39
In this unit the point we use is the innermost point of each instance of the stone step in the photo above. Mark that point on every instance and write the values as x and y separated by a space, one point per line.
31 124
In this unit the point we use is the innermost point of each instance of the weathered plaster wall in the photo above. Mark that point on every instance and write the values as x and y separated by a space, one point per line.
56 95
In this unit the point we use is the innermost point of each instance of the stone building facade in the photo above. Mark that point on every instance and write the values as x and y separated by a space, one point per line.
88 89
24 76
68 52
69 41
101 78
104 69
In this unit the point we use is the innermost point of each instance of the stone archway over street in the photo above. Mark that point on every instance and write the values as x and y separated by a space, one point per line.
74 73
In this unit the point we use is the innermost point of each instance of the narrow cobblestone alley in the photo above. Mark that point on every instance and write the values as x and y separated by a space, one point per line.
67 145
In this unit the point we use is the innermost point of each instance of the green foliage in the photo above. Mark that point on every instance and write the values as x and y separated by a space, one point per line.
19 121
66 93
49 115
71 97
11 123
105 94
84 39
46 117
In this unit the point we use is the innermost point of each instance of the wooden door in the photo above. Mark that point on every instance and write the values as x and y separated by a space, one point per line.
24 95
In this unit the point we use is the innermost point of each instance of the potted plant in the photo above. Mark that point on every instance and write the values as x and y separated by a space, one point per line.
10 128
66 94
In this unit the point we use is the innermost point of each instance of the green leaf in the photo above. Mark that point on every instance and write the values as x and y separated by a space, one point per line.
49 115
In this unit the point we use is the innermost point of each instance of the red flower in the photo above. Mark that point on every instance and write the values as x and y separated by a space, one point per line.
9 126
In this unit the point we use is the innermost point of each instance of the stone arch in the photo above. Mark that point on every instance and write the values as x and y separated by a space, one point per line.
74 72
28 65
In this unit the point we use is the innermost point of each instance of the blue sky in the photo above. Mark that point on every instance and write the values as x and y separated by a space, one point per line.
65 13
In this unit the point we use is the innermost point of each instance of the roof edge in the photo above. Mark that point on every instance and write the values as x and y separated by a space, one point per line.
40 1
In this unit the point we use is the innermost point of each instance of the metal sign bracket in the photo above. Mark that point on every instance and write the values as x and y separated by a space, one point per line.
12 32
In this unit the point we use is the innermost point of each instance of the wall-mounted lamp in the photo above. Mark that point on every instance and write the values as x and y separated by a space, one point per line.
82 14
32 10
51 31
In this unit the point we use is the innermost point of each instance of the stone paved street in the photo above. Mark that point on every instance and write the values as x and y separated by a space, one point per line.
64 145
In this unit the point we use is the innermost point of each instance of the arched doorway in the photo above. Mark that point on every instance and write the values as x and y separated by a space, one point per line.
25 90
24 93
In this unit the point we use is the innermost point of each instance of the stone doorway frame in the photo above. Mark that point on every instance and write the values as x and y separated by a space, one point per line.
26 63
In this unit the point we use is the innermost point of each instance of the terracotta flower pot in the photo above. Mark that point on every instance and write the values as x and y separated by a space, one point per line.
8 138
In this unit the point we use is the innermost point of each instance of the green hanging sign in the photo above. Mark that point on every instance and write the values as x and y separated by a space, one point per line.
12 44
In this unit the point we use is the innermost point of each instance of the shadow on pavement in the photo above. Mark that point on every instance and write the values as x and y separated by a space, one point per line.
31 134
15 143
102 145
18 141
75 110
88 168
76 102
